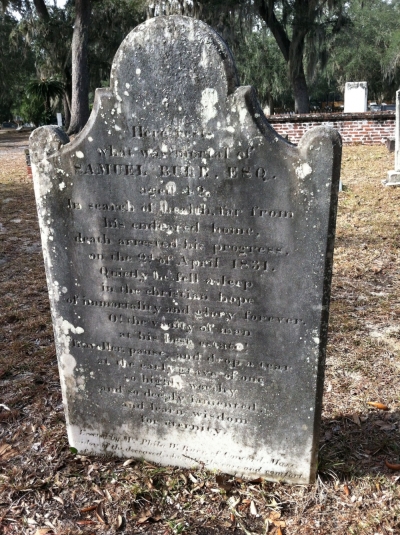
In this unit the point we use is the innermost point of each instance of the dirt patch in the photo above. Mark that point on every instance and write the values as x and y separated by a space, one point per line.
46 488
13 141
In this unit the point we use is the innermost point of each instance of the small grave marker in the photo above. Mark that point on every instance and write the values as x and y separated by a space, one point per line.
188 252
393 178
355 97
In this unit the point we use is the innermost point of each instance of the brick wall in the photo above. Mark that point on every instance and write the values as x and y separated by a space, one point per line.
370 128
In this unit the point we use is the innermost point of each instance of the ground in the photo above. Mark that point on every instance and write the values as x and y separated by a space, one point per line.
47 489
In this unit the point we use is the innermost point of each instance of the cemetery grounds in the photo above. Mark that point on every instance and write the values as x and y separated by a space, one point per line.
47 489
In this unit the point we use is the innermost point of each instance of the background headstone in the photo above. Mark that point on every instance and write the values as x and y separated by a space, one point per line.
188 252
355 97
393 178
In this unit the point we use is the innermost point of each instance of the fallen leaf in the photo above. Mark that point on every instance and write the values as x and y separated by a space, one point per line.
120 523
255 481
86 522
223 482
274 515
148 465
378 405
96 489
43 531
253 508
279 531
356 419
100 513
87 509
346 490
388 427
233 502
144 517
58 499
379 423
156 517
128 462
6 452
197 487
147 516
279 523
192 478
392 466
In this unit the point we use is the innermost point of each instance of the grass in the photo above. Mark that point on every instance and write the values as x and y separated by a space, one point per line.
47 489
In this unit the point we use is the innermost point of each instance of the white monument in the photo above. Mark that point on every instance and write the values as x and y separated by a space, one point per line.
393 178
355 97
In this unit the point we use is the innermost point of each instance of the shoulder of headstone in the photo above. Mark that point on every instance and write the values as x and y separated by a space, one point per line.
321 135
46 141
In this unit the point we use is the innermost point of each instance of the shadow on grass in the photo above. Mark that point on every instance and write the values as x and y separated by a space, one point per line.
358 445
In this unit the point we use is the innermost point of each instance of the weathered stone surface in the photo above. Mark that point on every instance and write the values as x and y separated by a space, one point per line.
188 251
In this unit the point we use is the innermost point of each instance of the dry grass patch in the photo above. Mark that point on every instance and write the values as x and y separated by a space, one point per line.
47 489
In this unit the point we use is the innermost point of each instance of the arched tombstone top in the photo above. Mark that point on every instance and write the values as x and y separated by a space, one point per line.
188 252
176 66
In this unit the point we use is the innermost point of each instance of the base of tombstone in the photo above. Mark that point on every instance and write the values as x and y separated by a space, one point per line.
393 179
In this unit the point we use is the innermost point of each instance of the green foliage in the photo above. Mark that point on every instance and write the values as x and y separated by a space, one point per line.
47 91
368 48
16 66
111 21
260 64
31 110
40 101
49 41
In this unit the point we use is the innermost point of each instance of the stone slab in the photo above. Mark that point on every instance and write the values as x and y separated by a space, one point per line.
393 179
355 97
188 252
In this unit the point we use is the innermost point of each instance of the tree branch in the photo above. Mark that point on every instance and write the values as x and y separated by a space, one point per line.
266 10
41 10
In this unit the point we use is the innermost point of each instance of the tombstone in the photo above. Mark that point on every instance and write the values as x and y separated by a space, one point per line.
356 97
393 177
188 252
390 144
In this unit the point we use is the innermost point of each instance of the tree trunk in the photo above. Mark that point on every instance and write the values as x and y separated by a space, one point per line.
67 97
300 93
296 69
80 71
67 112
292 49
